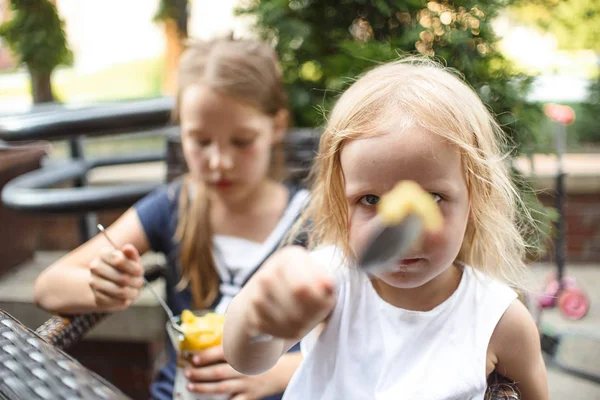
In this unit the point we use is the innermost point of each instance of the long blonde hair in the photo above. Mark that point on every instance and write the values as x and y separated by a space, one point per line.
246 70
421 92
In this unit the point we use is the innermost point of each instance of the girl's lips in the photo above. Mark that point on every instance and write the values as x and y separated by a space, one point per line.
408 261
223 183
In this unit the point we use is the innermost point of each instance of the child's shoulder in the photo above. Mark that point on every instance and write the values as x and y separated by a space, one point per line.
495 291
516 324
164 194
172 189
161 205
489 298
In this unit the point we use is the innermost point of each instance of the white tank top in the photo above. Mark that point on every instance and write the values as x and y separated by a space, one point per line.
373 350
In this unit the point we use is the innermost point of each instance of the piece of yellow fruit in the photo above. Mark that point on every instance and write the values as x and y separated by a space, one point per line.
187 317
407 197
200 333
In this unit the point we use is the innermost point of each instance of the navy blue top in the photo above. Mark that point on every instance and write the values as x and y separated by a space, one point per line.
158 213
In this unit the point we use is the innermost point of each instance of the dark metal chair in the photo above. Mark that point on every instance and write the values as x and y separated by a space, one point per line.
34 192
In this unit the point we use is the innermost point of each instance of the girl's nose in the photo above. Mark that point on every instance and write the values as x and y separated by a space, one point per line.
219 159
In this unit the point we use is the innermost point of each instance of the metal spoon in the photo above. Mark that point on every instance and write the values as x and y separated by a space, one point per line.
147 284
387 245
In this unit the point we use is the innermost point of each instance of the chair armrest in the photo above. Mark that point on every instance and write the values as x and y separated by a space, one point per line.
63 331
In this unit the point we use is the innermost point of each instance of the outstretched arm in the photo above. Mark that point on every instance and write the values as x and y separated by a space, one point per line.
286 299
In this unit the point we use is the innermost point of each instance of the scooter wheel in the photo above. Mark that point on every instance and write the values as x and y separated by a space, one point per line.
573 303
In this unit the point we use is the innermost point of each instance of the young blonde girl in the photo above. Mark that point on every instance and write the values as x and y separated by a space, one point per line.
436 325
216 225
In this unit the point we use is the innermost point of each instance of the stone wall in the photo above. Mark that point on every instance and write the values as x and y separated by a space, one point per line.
582 222
582 202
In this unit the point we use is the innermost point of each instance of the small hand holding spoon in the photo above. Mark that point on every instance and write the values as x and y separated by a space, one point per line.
387 245
147 284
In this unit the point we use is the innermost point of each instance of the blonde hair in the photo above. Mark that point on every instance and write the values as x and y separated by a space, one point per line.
248 71
421 92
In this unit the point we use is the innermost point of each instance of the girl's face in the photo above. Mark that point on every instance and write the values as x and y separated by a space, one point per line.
226 143
372 166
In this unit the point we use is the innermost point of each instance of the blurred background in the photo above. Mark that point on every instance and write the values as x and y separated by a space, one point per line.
519 55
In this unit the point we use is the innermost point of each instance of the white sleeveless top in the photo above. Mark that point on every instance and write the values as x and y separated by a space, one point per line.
373 350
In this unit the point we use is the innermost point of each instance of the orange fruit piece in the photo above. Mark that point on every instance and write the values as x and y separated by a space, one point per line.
407 197
200 333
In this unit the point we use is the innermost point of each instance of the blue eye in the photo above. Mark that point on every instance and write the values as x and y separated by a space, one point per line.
436 197
369 200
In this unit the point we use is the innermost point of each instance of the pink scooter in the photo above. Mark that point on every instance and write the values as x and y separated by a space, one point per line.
560 289
571 300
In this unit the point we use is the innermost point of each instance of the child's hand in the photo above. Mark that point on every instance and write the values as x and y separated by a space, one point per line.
210 374
289 295
117 277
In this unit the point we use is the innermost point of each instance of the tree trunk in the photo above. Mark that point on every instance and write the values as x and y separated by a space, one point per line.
174 44
41 87
176 31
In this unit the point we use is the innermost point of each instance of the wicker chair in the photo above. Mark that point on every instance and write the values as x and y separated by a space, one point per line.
63 331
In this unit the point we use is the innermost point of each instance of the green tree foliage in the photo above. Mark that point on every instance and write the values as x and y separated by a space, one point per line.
323 44
36 35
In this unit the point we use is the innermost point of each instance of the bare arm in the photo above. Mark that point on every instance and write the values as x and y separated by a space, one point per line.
515 344
65 285
245 355
287 298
